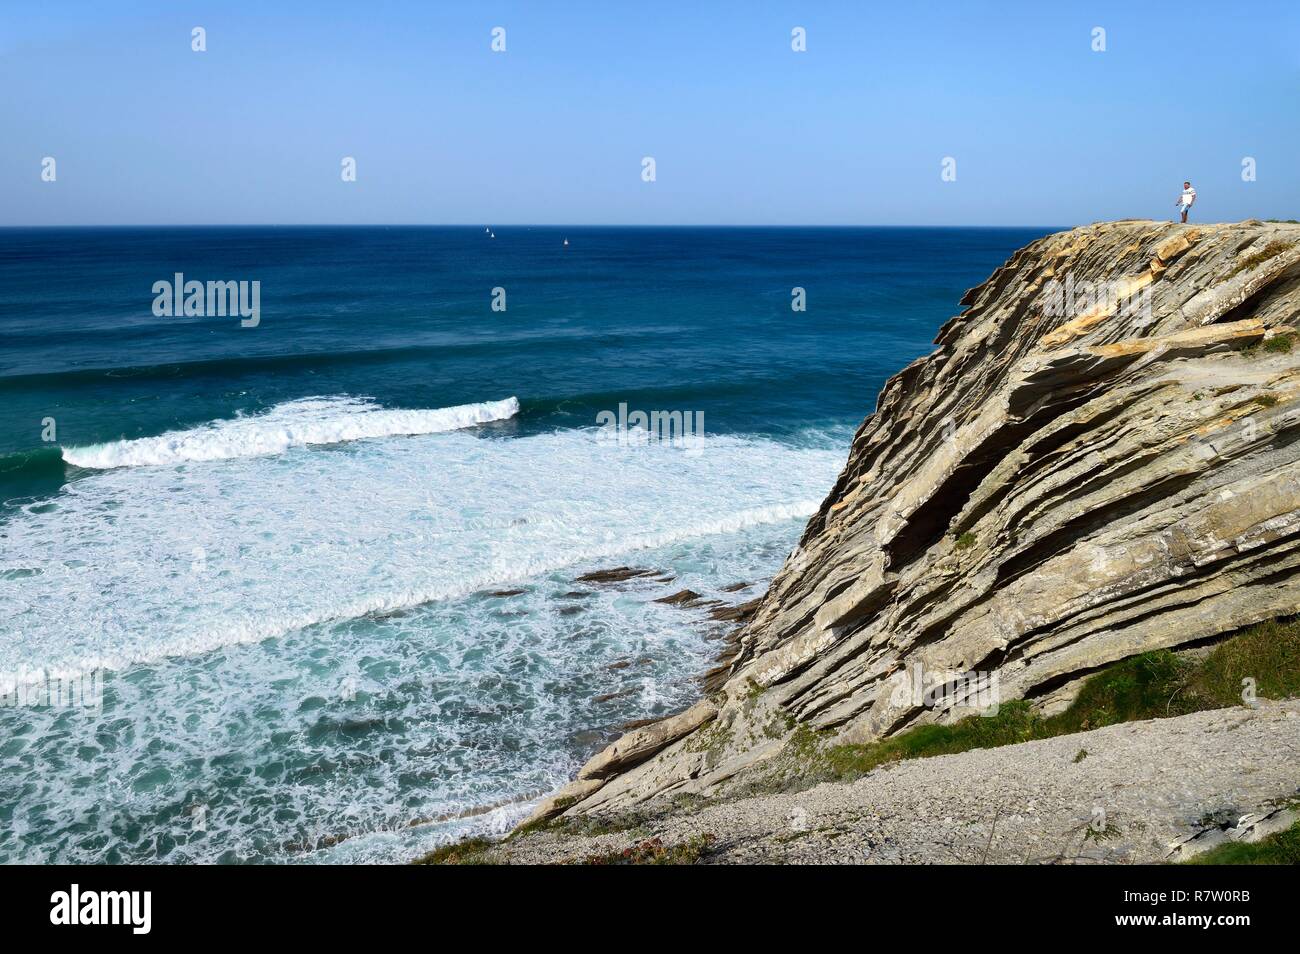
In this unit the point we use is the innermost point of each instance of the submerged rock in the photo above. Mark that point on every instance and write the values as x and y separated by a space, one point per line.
687 599
618 574
740 613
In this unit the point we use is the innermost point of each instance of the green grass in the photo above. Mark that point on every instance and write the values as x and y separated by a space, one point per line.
712 741
965 541
655 852
1271 250
471 851
1150 686
1278 344
1282 848
545 824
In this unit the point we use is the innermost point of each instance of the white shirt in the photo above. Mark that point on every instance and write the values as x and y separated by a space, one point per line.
1188 197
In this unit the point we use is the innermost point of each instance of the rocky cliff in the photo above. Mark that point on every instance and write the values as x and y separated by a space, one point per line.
1099 458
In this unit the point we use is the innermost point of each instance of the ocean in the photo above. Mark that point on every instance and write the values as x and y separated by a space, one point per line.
311 576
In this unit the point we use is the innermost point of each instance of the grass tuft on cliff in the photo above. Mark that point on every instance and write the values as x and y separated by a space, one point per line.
1282 848
471 851
1279 344
1153 685
1271 250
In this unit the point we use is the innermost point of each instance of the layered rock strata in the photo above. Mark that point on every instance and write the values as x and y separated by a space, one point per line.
1099 458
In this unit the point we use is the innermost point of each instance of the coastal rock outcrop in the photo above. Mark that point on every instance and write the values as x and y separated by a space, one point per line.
1101 457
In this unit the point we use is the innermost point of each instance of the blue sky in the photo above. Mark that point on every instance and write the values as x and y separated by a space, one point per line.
1044 130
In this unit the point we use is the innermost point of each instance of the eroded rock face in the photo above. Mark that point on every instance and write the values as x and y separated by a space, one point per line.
1100 458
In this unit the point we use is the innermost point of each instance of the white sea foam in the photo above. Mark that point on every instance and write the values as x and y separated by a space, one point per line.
452 707
350 739
139 564
292 424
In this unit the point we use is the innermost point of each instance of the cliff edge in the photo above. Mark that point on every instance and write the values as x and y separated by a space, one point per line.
1098 459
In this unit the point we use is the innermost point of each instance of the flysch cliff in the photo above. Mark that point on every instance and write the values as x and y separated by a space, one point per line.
1099 458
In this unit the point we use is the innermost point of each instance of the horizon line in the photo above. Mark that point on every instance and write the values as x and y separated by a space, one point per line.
520 225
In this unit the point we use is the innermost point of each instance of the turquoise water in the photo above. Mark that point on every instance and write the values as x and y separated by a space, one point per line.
324 569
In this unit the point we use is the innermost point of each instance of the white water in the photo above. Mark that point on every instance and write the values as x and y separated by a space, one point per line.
231 600
292 424
135 565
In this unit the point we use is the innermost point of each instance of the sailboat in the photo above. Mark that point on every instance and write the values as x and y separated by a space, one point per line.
566 242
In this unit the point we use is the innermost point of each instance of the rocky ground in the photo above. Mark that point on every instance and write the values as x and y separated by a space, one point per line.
1128 793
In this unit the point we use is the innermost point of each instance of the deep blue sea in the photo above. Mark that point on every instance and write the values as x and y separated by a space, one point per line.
316 579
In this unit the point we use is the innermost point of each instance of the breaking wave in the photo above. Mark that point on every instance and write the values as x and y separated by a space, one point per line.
330 420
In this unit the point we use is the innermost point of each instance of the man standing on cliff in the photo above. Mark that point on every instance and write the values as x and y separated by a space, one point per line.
1185 200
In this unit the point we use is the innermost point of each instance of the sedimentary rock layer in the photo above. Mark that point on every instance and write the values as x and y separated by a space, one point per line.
1099 458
